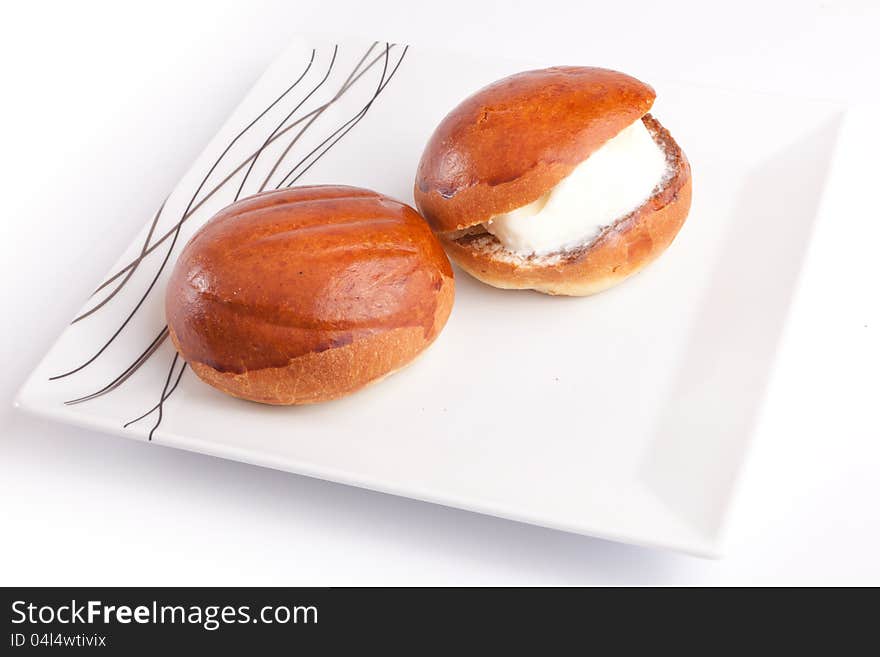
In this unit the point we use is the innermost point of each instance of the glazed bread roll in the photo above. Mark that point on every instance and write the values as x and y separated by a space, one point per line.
556 180
307 294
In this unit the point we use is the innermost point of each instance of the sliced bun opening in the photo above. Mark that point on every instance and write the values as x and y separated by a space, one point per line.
530 236
616 179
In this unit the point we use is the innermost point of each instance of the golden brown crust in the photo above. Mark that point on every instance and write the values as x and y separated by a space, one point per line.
331 374
509 143
307 294
620 251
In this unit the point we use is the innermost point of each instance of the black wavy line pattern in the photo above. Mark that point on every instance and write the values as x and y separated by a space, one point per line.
195 202
131 271
351 123
285 120
177 231
222 183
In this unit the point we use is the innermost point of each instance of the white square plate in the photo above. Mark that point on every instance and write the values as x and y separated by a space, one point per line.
624 415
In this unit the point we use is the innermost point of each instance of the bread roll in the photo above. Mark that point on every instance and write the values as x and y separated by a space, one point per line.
307 294
513 142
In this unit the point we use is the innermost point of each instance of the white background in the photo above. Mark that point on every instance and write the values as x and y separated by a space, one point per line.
104 107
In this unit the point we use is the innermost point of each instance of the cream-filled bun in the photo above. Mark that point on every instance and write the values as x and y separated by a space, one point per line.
556 180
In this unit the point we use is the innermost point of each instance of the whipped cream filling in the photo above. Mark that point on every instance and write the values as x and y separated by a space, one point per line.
612 182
